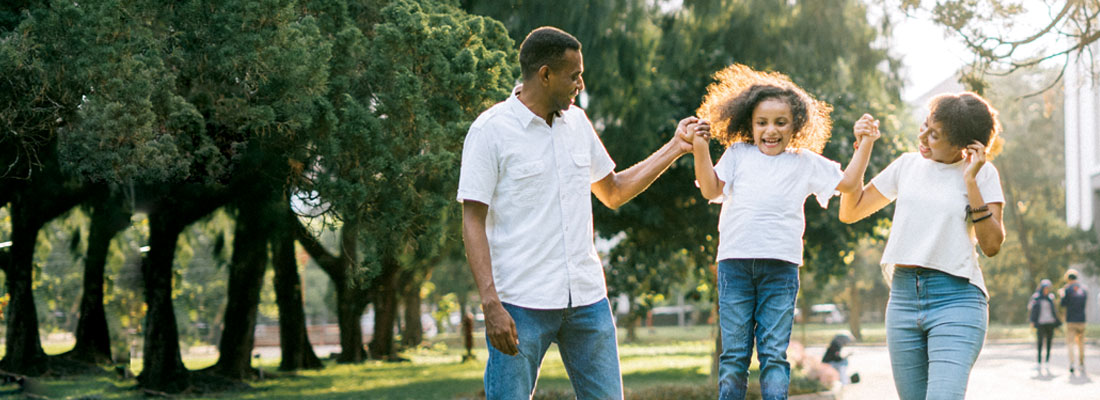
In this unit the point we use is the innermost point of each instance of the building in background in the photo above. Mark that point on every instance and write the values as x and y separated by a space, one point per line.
1082 146
1082 153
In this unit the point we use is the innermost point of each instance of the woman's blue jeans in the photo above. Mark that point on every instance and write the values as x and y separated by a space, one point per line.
586 340
756 304
935 328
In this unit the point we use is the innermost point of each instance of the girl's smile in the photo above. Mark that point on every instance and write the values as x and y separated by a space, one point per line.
772 127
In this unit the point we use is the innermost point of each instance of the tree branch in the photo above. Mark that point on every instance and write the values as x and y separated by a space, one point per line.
326 260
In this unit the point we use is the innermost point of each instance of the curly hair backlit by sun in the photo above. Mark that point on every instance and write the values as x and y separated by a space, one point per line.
731 100
968 117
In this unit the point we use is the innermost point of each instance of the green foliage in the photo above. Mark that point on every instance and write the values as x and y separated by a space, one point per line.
645 68
401 114
199 294
59 270
153 94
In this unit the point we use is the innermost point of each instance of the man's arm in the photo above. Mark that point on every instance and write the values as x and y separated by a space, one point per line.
499 325
616 189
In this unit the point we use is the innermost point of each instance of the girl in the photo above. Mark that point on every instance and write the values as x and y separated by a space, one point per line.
949 198
774 132
1043 317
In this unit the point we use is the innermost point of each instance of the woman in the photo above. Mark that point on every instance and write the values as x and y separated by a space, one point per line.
949 198
1043 318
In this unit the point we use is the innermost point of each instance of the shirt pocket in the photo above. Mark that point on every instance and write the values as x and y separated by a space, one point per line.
582 159
526 183
580 180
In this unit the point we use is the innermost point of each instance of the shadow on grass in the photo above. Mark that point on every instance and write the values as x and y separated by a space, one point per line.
382 381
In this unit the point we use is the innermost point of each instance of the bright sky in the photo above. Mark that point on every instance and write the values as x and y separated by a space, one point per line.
932 54
928 55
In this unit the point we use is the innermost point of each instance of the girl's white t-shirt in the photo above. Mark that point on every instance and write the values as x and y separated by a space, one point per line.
763 198
930 227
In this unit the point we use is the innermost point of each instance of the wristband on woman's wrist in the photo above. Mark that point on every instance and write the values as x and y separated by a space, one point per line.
983 208
979 219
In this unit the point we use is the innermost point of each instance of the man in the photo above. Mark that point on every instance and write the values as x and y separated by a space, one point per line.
1074 296
529 167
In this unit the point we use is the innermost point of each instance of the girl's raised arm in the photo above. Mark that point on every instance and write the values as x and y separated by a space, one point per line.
856 200
709 184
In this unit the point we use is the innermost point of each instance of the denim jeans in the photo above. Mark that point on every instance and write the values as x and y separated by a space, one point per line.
756 305
935 328
586 340
1044 333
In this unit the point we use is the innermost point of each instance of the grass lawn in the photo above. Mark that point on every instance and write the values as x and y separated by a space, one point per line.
435 373
665 362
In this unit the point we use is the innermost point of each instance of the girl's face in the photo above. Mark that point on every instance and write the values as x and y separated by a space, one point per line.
1046 290
772 126
934 145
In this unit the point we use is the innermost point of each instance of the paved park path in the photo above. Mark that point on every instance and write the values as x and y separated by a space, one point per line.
1005 371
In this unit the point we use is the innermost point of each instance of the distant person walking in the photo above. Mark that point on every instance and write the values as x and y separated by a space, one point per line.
1043 318
1074 297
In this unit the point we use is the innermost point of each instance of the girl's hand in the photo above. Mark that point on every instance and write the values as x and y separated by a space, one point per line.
700 131
866 128
975 159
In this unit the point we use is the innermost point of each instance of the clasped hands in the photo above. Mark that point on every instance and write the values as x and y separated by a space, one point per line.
866 128
693 128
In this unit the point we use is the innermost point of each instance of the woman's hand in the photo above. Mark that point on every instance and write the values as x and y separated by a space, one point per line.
975 159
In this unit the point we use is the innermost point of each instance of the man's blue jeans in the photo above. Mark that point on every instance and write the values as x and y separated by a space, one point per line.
586 340
935 328
756 304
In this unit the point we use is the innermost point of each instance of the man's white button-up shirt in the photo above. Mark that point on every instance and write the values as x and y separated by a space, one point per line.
536 180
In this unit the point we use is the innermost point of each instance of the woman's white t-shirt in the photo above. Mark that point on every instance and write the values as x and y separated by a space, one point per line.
930 227
763 198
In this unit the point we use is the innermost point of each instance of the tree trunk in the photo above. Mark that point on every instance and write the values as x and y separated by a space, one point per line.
855 305
632 320
716 358
351 299
350 303
93 339
297 352
31 207
162 365
24 353
385 311
163 368
1023 231
414 331
246 273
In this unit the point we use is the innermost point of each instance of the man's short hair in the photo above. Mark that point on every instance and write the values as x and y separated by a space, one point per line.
544 46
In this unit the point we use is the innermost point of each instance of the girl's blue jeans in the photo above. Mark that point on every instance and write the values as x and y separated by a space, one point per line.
935 328
756 306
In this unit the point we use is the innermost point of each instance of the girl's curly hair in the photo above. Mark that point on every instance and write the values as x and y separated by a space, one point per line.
731 100
967 117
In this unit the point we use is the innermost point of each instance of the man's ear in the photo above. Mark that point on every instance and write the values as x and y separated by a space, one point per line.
544 74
